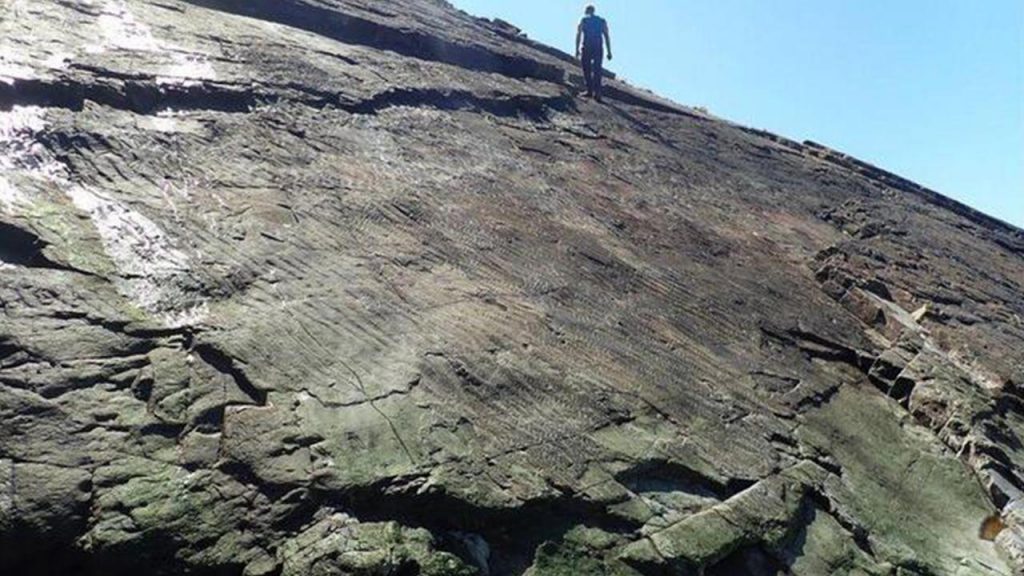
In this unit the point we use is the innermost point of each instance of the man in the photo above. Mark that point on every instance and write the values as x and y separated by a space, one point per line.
589 49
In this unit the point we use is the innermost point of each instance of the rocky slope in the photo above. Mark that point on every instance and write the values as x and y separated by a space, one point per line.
344 287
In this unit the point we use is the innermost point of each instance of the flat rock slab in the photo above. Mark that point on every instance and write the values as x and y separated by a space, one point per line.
346 287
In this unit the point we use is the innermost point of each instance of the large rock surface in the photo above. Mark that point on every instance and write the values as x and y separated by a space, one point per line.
343 287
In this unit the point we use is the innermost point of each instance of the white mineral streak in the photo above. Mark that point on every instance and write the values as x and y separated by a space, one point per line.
146 259
189 316
187 70
10 197
12 71
134 242
58 61
122 31
20 151
18 147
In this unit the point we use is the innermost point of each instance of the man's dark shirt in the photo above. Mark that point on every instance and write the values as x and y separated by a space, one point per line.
593 32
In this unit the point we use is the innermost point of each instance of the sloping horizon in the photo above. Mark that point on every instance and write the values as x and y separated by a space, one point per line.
926 90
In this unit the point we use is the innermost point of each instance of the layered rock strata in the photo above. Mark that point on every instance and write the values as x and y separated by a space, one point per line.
345 287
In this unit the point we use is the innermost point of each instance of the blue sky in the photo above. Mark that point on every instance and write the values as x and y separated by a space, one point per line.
930 89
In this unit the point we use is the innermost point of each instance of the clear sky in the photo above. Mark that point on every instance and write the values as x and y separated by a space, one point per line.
930 89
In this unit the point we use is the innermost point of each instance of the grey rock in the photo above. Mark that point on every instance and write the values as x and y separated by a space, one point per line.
351 287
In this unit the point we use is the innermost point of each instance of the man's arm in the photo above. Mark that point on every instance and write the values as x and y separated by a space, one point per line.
608 40
579 37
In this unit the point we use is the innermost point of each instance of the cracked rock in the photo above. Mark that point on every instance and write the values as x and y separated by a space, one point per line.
358 287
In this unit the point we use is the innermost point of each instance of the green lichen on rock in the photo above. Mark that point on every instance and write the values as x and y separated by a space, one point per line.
582 550
71 239
920 505
338 545
163 508
826 548
765 514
